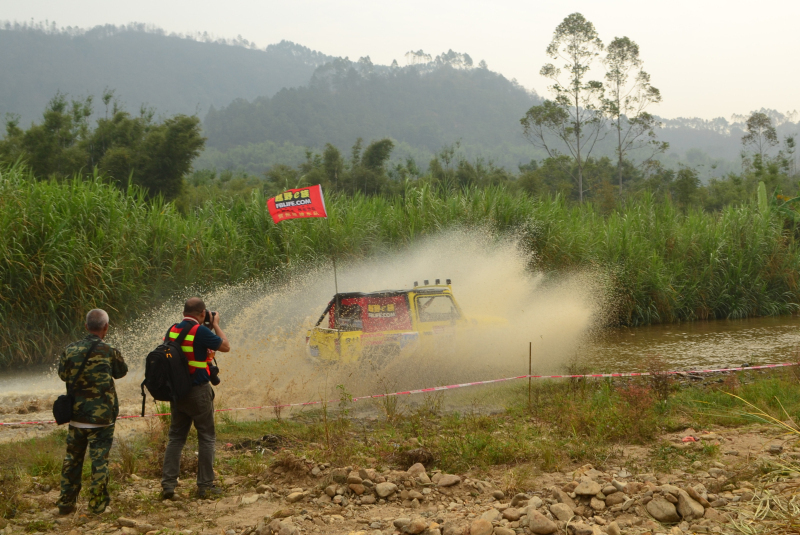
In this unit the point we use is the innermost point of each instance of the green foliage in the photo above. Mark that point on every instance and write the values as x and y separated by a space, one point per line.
154 155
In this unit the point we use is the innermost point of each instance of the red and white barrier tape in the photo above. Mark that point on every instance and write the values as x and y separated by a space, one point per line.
461 385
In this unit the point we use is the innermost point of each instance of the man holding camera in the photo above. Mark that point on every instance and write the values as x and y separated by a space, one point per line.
197 407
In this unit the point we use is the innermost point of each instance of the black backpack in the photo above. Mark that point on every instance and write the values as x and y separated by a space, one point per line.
166 371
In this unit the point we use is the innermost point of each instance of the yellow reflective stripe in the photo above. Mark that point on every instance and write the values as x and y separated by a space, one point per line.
173 335
187 349
189 338
197 364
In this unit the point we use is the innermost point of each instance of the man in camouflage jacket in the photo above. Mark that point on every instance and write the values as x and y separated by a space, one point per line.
94 412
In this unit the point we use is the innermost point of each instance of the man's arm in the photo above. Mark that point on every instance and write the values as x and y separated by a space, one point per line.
62 366
224 346
118 367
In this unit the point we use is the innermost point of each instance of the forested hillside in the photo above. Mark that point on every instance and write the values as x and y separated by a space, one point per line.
171 73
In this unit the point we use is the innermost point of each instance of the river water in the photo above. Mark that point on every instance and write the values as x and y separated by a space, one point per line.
685 346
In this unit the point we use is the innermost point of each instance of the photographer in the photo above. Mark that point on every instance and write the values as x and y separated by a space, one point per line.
197 407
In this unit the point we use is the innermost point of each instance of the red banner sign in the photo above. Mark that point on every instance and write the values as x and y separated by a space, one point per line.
297 203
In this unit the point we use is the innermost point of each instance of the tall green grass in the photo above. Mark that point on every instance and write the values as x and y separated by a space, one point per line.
67 246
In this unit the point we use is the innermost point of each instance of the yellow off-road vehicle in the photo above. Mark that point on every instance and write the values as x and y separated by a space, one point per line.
382 325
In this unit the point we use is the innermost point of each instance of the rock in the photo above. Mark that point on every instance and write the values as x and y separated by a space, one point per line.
498 494
129 531
339 475
401 523
126 522
316 471
615 499
480 527
418 525
354 479
285 528
613 529
369 499
518 499
491 515
622 487
250 499
540 524
448 480
561 511
384 490
562 497
716 516
581 529
295 497
688 508
511 513
775 449
359 489
451 528
503 531
691 491
330 490
597 504
662 510
608 490
587 487
145 528
416 469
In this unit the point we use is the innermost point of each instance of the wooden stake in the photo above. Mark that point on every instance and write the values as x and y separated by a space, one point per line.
530 372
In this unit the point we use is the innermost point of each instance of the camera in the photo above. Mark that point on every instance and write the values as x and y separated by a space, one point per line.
213 375
209 319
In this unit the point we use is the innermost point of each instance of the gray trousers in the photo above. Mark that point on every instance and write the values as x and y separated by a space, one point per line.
197 408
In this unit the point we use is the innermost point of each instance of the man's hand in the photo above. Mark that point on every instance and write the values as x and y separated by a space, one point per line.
224 346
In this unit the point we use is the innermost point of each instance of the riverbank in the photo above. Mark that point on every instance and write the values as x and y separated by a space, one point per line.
510 467
67 246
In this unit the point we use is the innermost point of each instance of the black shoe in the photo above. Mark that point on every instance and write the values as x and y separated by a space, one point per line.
66 509
168 495
207 493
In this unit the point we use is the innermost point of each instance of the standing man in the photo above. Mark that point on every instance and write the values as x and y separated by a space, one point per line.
94 411
197 407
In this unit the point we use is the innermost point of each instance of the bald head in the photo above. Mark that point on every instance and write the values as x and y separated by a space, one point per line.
194 306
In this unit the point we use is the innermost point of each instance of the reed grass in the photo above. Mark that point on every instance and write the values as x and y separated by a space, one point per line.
67 246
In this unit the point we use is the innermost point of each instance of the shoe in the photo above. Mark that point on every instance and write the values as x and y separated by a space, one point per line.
66 509
207 493
168 495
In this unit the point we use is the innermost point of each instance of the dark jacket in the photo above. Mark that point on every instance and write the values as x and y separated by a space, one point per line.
95 397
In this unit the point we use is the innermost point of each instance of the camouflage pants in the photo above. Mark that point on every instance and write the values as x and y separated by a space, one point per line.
99 442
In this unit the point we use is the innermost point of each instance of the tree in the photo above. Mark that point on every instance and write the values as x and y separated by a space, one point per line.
628 93
574 116
761 135
155 155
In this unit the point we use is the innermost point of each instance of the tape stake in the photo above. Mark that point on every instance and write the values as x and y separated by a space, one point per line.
451 387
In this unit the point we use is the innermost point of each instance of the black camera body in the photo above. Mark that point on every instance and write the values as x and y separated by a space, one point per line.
213 375
208 321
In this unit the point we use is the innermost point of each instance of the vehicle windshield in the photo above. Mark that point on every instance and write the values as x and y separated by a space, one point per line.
436 308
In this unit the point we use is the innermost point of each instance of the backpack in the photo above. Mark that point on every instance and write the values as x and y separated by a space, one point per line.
166 371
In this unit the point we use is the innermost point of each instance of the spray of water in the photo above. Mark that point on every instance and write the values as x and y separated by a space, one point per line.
267 323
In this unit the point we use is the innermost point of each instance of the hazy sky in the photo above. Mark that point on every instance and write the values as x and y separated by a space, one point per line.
709 58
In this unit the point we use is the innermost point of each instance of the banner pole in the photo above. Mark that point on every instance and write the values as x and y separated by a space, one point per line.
335 285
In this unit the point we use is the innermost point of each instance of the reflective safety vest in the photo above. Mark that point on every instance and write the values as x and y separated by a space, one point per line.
188 349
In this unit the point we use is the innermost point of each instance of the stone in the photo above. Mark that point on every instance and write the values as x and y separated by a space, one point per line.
503 531
401 523
384 490
418 525
518 499
512 513
608 490
691 491
688 508
714 515
498 494
480 527
451 528
448 480
416 469
357 488
581 529
339 475
250 499
613 529
535 502
775 449
587 487
129 531
369 499
662 510
540 524
330 490
354 479
622 487
561 511
562 497
145 528
597 505
126 522
491 515
316 471
295 497
615 499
